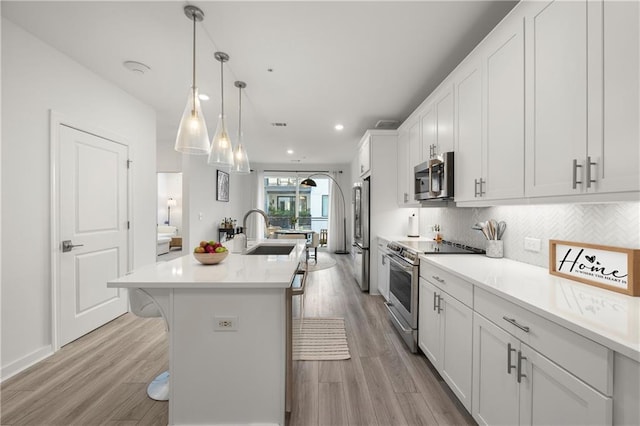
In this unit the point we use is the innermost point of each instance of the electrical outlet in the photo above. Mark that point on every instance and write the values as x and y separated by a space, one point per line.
532 244
225 324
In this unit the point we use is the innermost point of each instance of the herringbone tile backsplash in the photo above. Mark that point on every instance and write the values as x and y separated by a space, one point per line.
608 224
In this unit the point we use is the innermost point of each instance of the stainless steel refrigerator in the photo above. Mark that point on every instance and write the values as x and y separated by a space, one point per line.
361 233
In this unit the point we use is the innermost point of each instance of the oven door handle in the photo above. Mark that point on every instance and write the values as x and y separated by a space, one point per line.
392 258
395 317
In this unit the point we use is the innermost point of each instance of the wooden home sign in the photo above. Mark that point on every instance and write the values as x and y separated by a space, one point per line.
612 268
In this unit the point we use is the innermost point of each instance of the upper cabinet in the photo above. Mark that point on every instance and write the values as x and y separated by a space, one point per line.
489 91
615 148
364 155
546 106
436 120
408 145
582 96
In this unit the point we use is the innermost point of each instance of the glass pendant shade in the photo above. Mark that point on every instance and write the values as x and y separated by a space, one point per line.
221 151
193 137
240 159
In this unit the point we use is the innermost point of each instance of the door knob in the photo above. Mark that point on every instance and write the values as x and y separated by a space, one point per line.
68 246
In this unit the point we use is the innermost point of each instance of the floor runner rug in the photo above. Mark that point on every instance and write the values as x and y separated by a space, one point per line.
319 339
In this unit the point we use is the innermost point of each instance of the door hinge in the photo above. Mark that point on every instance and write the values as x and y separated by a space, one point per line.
129 164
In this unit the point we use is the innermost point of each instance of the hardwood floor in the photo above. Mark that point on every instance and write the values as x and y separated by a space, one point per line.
101 378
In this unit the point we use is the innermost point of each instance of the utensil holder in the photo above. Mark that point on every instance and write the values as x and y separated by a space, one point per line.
495 248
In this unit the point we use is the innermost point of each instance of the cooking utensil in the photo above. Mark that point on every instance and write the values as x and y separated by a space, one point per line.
492 225
501 228
482 227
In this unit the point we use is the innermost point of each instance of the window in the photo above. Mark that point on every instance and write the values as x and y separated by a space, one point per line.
325 205
290 205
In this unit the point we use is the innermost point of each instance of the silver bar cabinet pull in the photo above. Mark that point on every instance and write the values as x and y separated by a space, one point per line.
439 304
437 278
575 174
509 350
514 322
482 183
475 188
435 301
520 373
588 177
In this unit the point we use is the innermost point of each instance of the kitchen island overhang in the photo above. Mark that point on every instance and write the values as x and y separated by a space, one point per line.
220 375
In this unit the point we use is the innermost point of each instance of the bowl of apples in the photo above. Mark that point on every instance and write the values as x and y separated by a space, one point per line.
210 252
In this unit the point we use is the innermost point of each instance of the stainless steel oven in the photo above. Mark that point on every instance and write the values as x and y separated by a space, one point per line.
403 295
404 275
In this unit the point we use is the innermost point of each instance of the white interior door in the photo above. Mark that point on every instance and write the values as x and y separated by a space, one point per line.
93 218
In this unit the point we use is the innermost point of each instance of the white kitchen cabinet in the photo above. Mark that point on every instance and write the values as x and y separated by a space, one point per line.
495 392
415 155
549 395
429 143
445 336
489 100
364 155
583 97
615 129
383 269
556 121
406 187
429 322
436 117
468 154
515 384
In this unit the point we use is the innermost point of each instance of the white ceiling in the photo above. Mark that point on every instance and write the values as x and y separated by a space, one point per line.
352 63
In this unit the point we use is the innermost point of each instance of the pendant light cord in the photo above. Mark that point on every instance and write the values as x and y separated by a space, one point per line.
193 85
239 112
222 86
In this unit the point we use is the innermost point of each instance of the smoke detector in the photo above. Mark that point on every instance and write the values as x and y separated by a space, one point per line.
387 124
135 66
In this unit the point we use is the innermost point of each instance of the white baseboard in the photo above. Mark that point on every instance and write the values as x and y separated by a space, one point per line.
25 362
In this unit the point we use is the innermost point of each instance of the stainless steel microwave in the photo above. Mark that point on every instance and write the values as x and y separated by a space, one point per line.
434 178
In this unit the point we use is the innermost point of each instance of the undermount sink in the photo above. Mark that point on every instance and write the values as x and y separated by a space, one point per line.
279 249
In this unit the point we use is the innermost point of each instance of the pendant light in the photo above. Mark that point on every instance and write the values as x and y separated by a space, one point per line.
221 153
192 133
240 157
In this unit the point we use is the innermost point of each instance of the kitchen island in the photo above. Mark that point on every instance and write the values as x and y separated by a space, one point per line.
226 334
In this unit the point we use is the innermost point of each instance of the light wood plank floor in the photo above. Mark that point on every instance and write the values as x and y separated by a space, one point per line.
101 378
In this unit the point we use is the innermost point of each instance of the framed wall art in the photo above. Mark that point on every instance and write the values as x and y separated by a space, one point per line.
612 268
222 187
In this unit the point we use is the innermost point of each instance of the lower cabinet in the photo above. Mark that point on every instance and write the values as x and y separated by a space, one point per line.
445 327
515 384
383 273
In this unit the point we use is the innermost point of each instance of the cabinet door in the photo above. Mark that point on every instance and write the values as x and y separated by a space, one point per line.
415 146
614 148
383 275
429 133
556 95
549 395
429 322
444 118
457 337
405 191
468 164
365 155
503 154
495 389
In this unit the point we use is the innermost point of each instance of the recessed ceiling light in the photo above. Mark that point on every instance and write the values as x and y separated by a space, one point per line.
338 127
289 151
203 97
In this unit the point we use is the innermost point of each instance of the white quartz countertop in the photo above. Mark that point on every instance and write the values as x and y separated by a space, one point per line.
609 318
236 271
